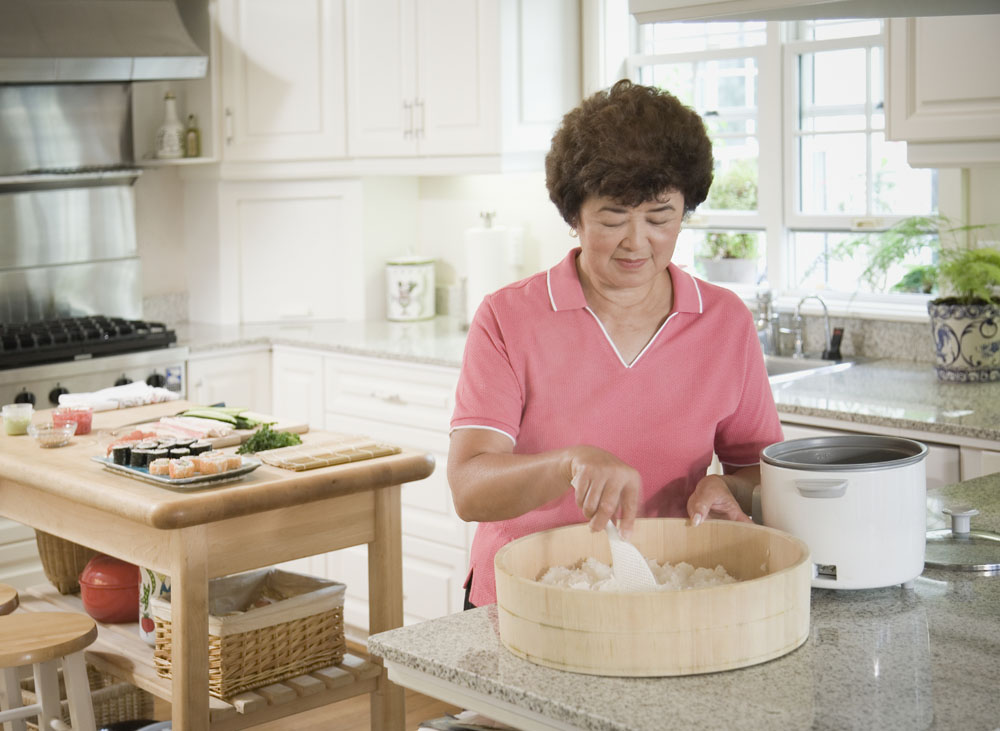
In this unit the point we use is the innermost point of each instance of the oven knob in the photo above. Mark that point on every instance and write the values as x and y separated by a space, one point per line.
25 397
157 380
55 393
123 380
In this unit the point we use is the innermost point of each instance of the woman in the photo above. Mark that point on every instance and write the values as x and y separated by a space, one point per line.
601 387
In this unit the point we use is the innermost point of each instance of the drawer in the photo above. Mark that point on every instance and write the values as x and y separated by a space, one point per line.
409 394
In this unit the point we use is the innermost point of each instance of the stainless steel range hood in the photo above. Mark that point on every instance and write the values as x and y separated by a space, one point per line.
44 41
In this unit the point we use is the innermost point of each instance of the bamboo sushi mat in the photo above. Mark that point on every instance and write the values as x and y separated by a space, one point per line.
346 448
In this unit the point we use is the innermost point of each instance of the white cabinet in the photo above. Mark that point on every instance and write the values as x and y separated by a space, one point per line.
459 77
942 91
236 378
297 385
409 405
979 462
282 79
275 251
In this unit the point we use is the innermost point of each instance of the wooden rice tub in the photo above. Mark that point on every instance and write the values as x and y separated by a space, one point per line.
762 616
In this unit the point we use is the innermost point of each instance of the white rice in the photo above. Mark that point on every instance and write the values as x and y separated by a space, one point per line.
591 574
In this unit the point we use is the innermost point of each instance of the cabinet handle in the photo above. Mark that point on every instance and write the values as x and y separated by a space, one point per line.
391 398
420 130
229 126
407 119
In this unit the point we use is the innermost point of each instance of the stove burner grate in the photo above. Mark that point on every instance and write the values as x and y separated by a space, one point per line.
73 338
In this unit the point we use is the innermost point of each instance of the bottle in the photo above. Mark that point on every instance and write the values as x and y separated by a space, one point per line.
192 138
170 135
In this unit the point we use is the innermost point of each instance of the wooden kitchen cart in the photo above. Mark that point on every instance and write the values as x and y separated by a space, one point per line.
271 516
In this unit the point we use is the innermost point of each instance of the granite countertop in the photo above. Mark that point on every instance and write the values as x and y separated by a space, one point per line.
889 658
887 393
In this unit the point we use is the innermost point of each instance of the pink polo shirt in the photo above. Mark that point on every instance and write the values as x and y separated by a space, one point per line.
540 368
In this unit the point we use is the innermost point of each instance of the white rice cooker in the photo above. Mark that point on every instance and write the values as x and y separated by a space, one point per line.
858 501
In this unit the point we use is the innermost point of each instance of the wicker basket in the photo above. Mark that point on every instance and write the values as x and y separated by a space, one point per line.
62 561
250 644
113 700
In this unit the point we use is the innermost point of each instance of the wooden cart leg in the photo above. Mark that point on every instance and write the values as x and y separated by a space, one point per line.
385 606
189 630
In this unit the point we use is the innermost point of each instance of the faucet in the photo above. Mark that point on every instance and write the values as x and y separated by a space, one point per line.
797 329
767 322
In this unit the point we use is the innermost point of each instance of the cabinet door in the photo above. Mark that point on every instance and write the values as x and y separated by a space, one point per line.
295 249
382 78
282 79
457 61
943 85
297 386
236 380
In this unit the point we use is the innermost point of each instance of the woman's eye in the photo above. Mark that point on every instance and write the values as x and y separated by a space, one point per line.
659 222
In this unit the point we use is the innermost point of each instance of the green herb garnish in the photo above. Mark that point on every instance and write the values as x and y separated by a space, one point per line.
264 439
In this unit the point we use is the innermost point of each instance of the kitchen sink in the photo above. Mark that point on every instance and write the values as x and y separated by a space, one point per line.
782 368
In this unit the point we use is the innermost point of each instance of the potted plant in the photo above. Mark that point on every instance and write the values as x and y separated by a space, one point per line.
731 256
965 314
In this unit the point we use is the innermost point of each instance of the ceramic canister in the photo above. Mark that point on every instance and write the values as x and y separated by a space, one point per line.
409 282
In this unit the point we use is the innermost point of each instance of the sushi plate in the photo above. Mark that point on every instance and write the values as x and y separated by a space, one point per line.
183 483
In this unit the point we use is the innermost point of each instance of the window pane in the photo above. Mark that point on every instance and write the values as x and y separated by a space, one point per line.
734 187
685 37
833 78
677 78
833 177
823 260
897 188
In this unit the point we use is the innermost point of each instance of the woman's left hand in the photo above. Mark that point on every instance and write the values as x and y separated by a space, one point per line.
713 499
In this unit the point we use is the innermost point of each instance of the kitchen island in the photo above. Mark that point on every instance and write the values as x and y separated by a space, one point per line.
889 658
270 516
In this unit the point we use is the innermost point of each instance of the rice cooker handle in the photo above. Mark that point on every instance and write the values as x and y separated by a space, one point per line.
821 488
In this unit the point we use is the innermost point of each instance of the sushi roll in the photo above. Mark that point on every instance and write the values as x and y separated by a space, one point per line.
159 467
185 442
167 444
181 468
139 457
148 444
178 452
213 465
199 447
233 461
158 453
204 458
121 454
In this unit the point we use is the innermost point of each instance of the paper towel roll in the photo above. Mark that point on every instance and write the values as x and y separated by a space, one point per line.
491 262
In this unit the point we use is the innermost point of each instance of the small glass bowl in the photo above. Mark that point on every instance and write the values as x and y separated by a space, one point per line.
52 435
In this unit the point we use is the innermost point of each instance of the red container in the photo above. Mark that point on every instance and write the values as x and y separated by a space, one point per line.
109 588
83 416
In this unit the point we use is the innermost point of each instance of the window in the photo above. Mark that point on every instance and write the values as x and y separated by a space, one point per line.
796 115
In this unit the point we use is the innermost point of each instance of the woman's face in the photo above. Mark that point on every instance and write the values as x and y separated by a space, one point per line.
629 247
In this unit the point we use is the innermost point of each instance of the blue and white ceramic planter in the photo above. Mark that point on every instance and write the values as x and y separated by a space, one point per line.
967 341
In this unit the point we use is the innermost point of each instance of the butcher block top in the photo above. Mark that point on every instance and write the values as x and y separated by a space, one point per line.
70 473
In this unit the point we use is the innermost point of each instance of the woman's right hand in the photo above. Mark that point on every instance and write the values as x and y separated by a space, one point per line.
604 486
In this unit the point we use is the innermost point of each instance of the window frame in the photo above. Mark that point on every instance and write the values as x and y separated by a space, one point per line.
778 216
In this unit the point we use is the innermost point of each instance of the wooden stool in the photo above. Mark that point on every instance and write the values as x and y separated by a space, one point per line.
8 599
40 640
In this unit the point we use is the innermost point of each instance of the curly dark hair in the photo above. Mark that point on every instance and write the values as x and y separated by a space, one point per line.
629 143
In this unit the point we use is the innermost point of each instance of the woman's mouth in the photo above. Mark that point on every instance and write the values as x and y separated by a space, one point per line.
630 264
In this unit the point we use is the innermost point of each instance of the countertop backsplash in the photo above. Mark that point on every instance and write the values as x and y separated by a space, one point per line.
867 338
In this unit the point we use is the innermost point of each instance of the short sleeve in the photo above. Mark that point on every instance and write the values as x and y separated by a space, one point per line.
489 393
754 423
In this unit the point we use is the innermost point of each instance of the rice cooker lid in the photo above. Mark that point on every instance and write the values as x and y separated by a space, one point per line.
852 452
961 549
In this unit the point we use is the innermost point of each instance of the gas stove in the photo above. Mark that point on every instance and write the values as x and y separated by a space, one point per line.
41 360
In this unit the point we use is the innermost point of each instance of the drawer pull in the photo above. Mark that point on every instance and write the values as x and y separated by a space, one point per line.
391 398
